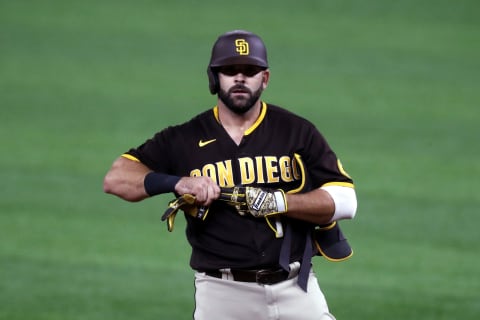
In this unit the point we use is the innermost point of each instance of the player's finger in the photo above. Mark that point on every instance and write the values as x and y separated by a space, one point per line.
202 194
212 193
216 191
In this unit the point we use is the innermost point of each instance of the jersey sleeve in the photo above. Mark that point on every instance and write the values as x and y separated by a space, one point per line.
152 152
322 164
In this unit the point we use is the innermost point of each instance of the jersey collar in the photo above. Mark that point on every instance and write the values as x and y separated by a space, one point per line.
257 122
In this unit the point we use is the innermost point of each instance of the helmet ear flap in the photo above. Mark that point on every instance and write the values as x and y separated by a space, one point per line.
212 80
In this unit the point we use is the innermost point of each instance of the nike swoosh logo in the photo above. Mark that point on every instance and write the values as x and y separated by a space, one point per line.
202 143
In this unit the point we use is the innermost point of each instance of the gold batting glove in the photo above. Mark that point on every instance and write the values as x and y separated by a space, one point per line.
259 202
185 203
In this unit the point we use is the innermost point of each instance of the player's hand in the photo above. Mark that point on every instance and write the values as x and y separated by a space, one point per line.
185 203
259 202
203 189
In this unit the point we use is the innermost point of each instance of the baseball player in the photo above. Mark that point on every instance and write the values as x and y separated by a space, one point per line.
259 186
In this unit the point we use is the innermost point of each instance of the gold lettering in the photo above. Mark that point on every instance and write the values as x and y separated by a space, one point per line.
267 169
195 173
272 169
296 170
247 170
242 47
259 164
225 173
209 170
285 169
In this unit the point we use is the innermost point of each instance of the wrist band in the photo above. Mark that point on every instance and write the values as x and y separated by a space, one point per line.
157 183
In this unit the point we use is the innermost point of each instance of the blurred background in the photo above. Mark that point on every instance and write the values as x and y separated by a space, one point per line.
393 85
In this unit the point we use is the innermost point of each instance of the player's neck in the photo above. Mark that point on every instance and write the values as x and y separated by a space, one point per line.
236 124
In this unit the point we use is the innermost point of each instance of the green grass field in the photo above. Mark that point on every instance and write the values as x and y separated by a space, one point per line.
393 85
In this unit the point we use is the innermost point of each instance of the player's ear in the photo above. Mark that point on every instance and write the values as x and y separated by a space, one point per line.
266 78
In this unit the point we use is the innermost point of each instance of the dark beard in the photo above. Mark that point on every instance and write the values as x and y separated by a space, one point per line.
239 105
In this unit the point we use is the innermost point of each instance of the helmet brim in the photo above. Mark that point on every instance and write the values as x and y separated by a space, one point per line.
238 60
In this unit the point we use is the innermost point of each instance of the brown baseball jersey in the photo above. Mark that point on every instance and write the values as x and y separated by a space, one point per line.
272 154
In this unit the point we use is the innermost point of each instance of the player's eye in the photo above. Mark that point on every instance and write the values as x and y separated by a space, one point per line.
246 70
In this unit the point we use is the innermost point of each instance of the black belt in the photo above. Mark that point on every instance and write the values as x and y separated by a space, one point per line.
262 276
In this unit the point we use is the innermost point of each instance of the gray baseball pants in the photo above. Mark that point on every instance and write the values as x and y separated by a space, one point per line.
233 300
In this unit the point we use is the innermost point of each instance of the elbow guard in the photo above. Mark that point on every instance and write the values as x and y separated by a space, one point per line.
345 201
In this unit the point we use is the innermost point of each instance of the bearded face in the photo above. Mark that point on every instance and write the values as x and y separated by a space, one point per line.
239 98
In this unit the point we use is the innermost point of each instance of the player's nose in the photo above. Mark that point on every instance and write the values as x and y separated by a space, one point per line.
239 77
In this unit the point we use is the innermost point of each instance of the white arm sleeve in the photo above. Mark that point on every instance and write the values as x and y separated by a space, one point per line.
345 201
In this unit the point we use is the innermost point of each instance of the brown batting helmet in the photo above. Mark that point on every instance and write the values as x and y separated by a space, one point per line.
235 47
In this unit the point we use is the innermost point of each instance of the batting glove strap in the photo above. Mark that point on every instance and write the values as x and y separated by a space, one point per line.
259 202
186 203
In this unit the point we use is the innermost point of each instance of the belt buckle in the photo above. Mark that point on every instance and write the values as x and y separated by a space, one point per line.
263 276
